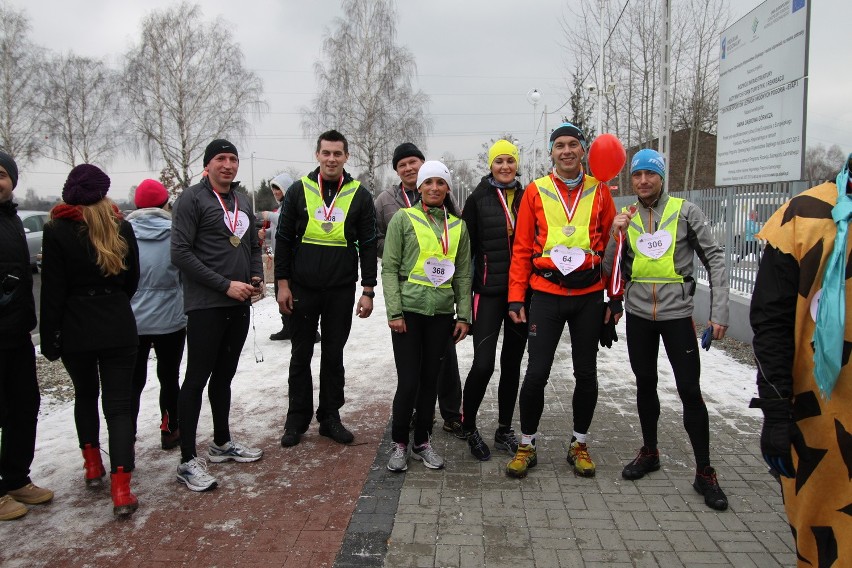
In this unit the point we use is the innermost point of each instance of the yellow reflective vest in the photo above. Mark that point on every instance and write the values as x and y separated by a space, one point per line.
430 246
327 232
647 268
557 220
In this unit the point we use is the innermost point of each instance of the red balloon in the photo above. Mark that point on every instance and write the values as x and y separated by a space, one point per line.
606 157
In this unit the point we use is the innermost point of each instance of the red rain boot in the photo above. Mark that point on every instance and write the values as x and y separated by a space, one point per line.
93 465
123 501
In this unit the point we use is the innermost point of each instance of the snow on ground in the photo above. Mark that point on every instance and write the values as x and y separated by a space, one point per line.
260 403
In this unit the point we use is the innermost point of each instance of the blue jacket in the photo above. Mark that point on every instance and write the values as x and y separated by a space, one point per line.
158 302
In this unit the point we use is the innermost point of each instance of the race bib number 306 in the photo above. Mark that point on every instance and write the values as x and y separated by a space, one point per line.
654 245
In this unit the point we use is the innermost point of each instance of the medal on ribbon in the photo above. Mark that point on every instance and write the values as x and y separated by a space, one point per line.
231 222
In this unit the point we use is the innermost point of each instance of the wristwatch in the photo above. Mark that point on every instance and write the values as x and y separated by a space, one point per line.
370 295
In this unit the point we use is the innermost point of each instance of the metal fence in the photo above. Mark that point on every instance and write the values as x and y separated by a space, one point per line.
735 213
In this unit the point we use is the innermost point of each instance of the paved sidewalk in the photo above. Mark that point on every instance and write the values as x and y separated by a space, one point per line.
472 514
321 504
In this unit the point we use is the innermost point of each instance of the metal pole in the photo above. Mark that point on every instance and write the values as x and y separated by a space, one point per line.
665 110
253 187
600 69
532 143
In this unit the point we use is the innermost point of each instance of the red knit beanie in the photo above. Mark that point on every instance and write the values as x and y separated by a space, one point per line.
150 193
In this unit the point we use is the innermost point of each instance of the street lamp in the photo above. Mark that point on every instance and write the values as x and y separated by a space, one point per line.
533 97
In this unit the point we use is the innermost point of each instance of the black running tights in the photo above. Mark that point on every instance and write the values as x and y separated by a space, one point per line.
643 346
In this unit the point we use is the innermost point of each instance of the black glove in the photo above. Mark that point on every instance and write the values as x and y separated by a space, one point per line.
516 307
608 334
51 348
779 435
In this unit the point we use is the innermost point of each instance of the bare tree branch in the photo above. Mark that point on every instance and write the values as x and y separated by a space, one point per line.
365 87
82 119
187 84
21 87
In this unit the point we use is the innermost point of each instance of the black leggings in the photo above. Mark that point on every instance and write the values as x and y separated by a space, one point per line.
643 346
418 354
547 317
214 340
168 348
490 313
109 371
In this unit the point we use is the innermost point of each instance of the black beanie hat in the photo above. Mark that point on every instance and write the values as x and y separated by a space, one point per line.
218 146
8 163
567 129
406 150
86 184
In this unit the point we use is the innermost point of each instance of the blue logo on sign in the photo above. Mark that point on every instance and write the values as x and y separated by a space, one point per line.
754 25
724 47
798 5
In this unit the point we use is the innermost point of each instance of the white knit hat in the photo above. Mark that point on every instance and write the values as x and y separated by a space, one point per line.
433 169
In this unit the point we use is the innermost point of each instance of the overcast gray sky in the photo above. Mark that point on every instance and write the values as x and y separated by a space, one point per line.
476 59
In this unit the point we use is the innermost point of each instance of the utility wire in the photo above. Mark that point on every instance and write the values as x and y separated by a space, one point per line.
598 57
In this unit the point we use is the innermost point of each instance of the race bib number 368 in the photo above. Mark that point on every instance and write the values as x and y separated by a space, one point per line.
438 271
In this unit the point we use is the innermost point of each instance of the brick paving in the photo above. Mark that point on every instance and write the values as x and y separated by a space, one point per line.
290 509
321 504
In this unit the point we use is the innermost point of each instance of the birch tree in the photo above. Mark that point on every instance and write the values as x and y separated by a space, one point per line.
187 84
365 87
21 87
82 114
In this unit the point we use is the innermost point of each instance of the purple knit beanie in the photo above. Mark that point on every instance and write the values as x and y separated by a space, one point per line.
86 184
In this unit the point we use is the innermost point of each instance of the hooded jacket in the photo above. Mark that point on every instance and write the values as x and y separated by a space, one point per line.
17 307
158 302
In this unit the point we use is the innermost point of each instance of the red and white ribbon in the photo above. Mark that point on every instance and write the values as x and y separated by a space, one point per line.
327 211
445 234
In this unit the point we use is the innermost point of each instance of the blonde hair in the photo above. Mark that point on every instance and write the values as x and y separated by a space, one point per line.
111 248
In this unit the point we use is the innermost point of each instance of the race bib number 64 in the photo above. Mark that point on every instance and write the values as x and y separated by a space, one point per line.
567 260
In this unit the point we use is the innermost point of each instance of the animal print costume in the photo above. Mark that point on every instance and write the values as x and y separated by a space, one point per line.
818 501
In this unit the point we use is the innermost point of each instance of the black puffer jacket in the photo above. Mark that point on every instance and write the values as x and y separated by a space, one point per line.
490 241
17 308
